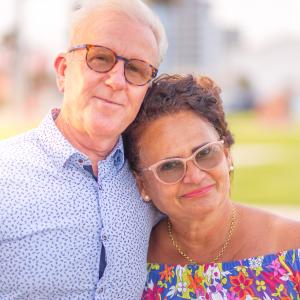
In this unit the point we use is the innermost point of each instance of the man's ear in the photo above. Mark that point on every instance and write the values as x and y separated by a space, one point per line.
60 65
141 187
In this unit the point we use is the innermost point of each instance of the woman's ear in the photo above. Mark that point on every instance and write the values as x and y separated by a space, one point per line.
60 65
141 187
229 159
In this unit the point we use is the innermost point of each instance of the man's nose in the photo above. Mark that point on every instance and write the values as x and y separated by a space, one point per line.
193 173
116 78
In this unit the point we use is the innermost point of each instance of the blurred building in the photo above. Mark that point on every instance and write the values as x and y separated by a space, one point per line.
196 43
273 71
249 77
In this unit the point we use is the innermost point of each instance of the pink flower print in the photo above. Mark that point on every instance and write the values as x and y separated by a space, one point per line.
152 294
278 270
232 296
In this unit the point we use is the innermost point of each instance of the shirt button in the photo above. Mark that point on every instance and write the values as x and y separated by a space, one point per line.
80 161
104 237
101 290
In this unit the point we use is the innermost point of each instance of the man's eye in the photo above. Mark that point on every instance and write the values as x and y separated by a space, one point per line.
134 69
101 58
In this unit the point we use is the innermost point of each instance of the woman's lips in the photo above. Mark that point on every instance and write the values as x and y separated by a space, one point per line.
199 192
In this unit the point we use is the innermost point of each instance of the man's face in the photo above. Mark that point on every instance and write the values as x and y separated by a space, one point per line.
104 104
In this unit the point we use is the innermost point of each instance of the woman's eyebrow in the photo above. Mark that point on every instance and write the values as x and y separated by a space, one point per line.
193 150
199 146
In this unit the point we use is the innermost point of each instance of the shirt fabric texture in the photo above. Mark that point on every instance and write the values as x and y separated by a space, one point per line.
55 218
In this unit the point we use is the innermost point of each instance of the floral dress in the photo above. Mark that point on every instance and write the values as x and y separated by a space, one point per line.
273 276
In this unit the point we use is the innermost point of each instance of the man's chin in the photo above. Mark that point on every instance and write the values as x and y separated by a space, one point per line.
107 129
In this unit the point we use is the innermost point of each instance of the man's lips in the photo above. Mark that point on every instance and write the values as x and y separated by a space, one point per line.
199 192
108 101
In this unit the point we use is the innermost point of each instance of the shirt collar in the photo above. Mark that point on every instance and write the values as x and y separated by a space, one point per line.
117 155
52 140
59 148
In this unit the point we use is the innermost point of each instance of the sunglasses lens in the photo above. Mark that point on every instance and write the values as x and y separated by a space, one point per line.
209 156
100 59
170 171
138 72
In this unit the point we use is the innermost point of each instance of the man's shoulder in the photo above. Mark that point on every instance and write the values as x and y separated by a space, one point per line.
22 145
20 139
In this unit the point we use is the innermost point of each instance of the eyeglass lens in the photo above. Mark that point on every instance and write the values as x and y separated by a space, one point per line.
101 59
206 158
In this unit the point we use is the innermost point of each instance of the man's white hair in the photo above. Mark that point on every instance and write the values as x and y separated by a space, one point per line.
134 9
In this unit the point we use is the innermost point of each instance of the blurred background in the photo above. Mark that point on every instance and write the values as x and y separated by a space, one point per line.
251 48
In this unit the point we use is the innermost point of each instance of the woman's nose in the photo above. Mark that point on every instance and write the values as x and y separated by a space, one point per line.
193 174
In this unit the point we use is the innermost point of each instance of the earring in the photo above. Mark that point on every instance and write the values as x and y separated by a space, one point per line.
146 198
231 168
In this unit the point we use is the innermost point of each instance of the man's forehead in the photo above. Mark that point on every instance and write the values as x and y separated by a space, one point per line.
119 32
95 20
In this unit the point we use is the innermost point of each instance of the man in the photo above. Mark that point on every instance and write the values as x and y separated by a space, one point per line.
72 224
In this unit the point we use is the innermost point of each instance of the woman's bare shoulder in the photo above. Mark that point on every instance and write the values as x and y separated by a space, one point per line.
283 232
288 232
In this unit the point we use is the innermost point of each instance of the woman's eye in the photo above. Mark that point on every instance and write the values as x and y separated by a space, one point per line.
203 153
171 165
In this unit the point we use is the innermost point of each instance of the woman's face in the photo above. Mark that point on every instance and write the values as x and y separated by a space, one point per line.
179 135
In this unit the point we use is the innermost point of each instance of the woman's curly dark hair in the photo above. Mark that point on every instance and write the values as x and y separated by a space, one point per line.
170 94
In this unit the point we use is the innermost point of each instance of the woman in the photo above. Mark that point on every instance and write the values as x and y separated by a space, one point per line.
207 247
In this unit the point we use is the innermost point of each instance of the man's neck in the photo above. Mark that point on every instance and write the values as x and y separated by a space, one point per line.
96 148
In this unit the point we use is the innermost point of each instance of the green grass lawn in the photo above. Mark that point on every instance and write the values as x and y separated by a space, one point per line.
275 178
266 170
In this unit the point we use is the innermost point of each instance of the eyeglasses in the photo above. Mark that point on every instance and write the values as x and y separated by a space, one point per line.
171 171
101 59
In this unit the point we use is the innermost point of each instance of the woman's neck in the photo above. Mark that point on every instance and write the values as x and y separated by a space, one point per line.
203 239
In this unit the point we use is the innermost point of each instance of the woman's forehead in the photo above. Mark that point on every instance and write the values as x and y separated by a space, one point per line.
175 135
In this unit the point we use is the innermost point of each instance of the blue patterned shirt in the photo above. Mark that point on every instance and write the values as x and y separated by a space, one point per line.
55 218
